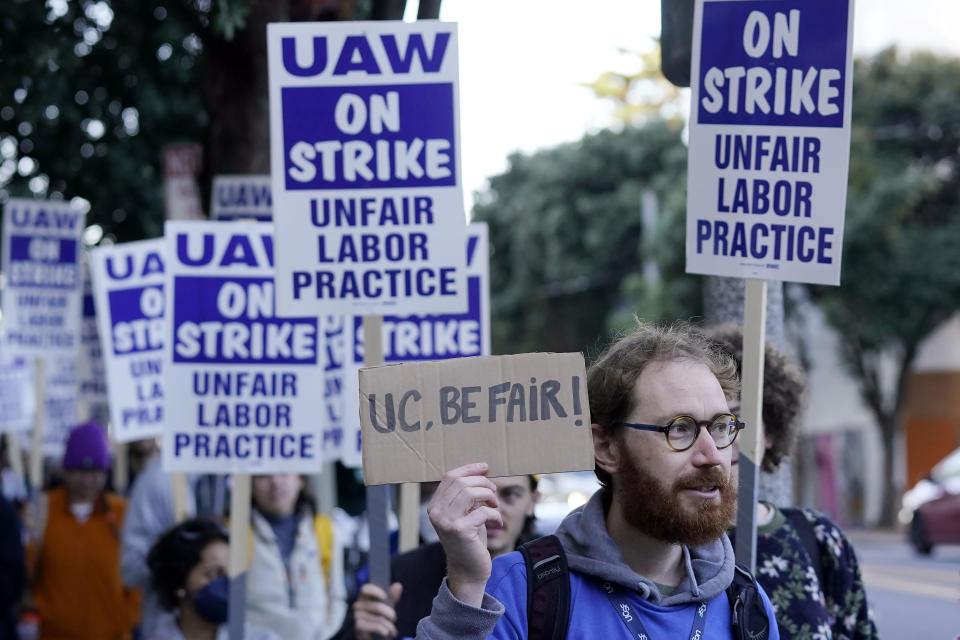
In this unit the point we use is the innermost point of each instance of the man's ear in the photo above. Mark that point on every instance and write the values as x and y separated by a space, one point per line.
606 449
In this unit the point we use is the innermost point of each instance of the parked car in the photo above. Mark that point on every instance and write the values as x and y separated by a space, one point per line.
932 506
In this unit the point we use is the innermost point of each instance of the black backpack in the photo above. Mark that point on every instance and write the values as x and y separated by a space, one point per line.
548 595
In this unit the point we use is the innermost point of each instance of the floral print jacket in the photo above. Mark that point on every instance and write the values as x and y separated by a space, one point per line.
805 609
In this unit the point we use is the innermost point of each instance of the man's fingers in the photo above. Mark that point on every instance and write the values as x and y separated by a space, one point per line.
447 493
472 469
480 516
374 610
396 590
466 501
367 626
371 591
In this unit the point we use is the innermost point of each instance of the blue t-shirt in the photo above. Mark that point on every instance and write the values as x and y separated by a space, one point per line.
593 616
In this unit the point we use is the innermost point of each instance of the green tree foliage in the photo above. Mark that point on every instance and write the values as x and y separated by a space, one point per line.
92 97
901 265
566 232
94 89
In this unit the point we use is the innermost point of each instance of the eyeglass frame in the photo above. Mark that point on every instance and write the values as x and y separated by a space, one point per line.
738 426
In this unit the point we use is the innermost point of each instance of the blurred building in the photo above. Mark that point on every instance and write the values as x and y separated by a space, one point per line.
838 464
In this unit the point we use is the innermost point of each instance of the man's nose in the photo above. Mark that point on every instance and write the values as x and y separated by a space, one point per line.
705 451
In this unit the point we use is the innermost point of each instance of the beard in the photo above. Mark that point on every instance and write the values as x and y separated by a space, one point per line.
662 512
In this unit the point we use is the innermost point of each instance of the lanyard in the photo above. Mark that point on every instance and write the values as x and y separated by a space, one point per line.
632 621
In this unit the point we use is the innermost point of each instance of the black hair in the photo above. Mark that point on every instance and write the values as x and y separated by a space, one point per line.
530 523
177 552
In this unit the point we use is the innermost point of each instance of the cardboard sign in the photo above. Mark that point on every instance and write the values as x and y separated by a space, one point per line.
769 138
91 369
41 260
423 337
247 383
422 419
365 150
131 304
242 197
17 403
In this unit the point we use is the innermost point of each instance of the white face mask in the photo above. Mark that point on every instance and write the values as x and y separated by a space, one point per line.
427 532
81 511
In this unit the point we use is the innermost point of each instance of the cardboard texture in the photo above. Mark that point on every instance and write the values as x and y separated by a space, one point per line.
521 414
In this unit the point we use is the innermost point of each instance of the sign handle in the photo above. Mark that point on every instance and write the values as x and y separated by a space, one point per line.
409 516
39 418
121 467
378 498
179 481
239 554
751 404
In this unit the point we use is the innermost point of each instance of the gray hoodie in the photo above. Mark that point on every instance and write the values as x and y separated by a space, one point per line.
590 551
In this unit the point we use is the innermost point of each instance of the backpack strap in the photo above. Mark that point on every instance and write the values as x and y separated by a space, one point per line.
750 621
548 589
808 538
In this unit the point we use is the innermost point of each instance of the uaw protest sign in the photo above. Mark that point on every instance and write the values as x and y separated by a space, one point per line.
769 138
44 288
365 151
128 284
91 370
247 383
241 197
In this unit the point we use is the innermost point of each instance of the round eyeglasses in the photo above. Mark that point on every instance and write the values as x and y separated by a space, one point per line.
682 431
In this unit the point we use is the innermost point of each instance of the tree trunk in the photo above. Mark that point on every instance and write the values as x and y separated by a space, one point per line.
891 491
236 92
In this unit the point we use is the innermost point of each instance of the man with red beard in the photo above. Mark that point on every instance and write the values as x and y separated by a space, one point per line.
647 555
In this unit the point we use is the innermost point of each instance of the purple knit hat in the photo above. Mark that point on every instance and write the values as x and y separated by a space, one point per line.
87 448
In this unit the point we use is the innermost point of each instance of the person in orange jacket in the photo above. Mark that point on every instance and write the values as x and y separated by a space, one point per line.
74 553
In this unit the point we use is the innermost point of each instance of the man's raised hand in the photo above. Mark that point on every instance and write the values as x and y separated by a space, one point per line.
463 504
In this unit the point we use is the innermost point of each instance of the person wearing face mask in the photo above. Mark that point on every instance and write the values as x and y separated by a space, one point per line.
73 550
188 569
295 586
418 574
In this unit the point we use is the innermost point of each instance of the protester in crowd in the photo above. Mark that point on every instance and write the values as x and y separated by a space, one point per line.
13 486
296 584
804 562
72 556
648 551
188 570
13 576
149 515
418 574
139 455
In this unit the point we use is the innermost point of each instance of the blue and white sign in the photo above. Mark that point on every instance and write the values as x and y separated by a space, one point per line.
41 260
91 368
423 337
17 400
129 281
335 332
248 384
769 138
61 409
241 197
365 150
